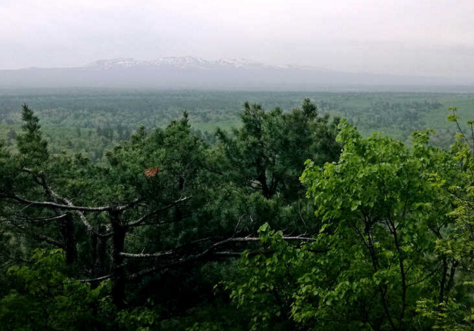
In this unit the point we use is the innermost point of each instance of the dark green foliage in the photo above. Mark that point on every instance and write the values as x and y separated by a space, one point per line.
31 143
168 228
163 204
106 117
268 152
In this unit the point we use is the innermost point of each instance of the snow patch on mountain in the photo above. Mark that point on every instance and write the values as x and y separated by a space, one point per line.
189 62
183 62
118 62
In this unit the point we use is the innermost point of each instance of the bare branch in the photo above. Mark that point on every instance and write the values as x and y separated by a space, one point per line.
55 205
287 238
211 248
98 279
207 252
157 211
128 205
41 180
144 255
239 254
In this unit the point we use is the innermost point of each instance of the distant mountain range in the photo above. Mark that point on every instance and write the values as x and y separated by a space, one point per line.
196 73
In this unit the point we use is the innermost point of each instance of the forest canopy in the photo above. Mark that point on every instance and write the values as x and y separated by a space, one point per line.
292 221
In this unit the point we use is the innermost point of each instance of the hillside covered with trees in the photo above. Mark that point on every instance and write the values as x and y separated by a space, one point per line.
92 121
292 220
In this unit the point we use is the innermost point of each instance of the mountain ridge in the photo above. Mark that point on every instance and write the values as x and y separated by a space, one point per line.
185 62
188 72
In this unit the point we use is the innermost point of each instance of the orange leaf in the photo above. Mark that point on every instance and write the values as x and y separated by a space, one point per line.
151 172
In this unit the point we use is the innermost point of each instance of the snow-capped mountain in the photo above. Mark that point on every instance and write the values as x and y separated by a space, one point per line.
189 72
180 62
184 62
113 63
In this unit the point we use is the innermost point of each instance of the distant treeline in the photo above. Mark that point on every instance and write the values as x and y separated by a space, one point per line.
92 121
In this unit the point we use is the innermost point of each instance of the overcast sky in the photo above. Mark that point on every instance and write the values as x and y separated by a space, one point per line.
422 37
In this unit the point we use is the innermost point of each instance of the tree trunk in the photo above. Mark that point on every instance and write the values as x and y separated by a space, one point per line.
178 214
68 232
118 271
262 179
99 248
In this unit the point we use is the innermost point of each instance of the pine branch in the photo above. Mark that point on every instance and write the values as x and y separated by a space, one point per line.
157 211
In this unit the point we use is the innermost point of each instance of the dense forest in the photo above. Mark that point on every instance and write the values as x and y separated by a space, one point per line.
92 121
294 219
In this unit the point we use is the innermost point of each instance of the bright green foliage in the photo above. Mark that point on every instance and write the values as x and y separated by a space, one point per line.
44 298
456 315
265 285
138 319
380 251
447 316
385 209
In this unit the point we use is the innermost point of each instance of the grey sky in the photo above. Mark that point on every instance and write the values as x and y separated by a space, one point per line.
423 37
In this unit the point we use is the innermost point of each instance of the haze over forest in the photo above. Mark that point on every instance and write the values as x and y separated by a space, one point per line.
237 165
196 73
403 37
